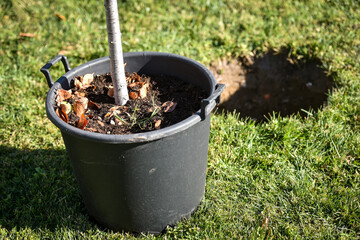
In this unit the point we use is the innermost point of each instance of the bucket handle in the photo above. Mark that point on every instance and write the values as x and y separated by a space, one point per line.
208 104
47 66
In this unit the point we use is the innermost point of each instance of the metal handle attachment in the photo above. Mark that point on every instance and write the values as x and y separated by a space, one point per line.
208 104
46 67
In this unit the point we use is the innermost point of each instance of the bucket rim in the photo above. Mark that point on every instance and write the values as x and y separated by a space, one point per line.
66 128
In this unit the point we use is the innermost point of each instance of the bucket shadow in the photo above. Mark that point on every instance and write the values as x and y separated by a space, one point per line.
272 82
39 191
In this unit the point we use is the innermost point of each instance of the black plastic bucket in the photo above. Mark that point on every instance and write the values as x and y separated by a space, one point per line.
140 182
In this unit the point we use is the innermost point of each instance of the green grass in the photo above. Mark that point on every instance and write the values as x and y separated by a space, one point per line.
300 175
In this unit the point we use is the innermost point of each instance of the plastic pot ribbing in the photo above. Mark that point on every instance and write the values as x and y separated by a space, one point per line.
146 181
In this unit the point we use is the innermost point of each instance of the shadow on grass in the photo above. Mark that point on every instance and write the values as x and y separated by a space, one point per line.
272 82
39 191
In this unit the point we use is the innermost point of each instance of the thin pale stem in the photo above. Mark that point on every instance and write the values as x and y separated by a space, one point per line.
116 55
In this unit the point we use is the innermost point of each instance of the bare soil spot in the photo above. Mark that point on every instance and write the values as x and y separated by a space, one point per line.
272 82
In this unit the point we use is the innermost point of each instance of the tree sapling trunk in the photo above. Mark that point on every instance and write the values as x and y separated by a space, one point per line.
116 55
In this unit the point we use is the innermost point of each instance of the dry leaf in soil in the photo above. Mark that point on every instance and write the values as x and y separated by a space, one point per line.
143 91
133 85
78 84
108 115
169 106
157 124
79 94
82 122
62 115
133 95
82 100
114 108
137 77
87 79
83 82
93 105
62 95
110 93
79 108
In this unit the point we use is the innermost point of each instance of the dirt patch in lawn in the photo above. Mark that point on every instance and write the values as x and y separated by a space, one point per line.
272 82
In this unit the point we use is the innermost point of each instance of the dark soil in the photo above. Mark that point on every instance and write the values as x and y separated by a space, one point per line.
155 111
272 82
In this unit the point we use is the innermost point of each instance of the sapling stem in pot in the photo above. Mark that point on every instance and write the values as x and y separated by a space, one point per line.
117 69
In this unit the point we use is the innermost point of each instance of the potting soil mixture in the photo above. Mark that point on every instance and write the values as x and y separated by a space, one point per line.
155 102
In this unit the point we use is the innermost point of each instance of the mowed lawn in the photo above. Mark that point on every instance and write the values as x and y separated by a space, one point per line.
285 178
